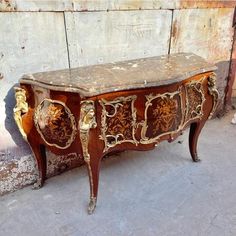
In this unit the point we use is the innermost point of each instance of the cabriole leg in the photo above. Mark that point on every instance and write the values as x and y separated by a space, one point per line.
93 170
195 130
88 121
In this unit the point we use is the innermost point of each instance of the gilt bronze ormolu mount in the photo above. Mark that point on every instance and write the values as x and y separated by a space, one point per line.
131 105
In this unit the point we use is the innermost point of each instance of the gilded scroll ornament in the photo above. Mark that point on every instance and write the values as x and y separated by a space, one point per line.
162 116
87 121
213 92
20 108
55 123
118 121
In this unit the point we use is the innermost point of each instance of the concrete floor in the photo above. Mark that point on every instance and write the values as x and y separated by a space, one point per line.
160 192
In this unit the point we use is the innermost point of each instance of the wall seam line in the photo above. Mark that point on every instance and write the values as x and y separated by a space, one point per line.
67 44
171 28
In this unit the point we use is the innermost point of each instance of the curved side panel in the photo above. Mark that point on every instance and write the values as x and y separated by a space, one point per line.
118 121
162 116
55 123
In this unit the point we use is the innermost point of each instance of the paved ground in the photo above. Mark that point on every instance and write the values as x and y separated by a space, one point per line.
160 192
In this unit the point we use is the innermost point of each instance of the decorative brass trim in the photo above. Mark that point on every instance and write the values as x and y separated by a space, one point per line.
199 109
150 98
92 205
115 104
87 121
20 108
70 116
213 92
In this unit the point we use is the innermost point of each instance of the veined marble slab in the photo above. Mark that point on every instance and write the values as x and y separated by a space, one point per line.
133 74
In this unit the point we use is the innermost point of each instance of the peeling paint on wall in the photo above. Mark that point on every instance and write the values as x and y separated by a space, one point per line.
58 164
15 173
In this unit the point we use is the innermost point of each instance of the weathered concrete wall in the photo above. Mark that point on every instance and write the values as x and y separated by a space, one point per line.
28 42
117 35
209 33
49 34
104 5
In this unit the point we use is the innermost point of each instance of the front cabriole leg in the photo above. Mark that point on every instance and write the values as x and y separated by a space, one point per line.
195 130
88 121
196 127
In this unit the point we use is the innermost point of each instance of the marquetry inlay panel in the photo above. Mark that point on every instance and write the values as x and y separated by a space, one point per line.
194 100
55 123
118 121
163 115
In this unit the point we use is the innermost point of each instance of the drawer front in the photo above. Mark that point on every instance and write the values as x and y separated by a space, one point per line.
145 116
118 121
163 115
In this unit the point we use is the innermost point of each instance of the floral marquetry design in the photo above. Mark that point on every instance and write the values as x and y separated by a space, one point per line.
194 100
162 116
55 123
165 114
118 121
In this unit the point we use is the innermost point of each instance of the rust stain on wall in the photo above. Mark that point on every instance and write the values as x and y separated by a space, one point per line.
7 5
152 4
175 31
231 86
206 4
232 76
101 5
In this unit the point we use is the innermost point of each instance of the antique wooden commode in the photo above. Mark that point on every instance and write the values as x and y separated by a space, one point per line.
96 110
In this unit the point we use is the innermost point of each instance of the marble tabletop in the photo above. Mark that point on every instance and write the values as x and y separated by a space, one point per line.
140 73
